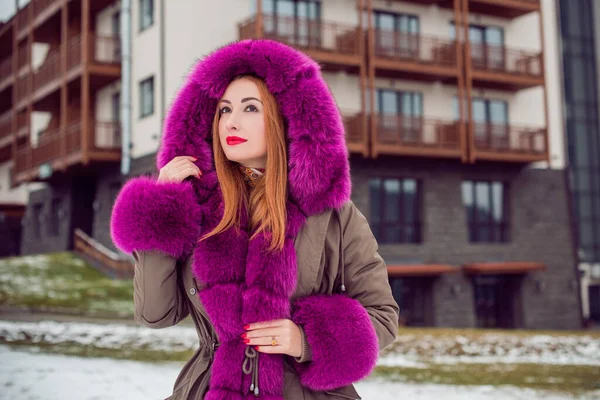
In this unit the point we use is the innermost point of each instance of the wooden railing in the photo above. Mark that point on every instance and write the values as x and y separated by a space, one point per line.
412 131
73 52
21 88
509 138
107 134
105 49
108 260
415 47
355 133
73 137
22 57
5 68
6 124
40 5
48 71
305 33
501 59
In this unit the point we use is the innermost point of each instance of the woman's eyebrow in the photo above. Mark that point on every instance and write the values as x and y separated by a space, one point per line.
245 99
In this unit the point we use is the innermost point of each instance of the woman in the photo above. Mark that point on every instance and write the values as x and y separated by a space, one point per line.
250 230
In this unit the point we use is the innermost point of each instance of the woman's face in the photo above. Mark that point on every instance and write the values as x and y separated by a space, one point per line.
242 116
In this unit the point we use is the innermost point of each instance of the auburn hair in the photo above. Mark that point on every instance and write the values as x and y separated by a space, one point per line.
266 202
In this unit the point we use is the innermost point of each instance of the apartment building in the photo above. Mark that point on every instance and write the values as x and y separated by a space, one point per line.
452 110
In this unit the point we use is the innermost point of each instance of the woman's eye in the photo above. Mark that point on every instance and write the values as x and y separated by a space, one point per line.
253 108
223 109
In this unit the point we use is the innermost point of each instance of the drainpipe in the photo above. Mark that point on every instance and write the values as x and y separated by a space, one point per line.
162 64
125 86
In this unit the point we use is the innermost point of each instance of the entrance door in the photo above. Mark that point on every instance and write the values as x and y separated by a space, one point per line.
414 299
496 300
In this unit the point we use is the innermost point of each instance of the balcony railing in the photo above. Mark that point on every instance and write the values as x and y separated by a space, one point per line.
415 47
5 124
39 6
22 89
107 135
5 68
305 33
509 138
414 131
355 132
48 71
22 57
491 58
105 49
103 136
73 52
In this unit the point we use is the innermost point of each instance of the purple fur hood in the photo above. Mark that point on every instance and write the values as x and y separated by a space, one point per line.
241 282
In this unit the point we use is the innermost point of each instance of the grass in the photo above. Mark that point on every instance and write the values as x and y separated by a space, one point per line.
567 379
63 283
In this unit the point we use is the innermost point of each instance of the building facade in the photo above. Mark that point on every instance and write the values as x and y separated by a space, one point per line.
453 117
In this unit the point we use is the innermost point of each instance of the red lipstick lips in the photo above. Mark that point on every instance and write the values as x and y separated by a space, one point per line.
233 140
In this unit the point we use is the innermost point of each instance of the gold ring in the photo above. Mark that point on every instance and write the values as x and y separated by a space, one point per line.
273 342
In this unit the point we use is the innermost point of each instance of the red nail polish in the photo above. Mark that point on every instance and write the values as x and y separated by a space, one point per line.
256 347
244 335
246 340
246 326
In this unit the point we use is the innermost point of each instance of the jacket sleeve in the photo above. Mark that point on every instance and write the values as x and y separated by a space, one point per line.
345 332
150 215
159 301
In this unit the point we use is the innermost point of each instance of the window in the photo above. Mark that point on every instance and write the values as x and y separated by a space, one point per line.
487 46
53 226
147 97
296 22
37 220
146 14
400 113
486 206
396 34
490 123
395 210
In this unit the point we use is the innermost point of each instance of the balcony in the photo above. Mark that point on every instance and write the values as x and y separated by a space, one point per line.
504 8
6 75
495 8
415 136
5 128
501 142
104 67
357 139
496 67
418 57
336 46
62 149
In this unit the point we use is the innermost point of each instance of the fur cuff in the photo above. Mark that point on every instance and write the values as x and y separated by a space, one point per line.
342 339
148 215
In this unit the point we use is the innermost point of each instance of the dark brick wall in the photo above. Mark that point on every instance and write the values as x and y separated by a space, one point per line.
109 185
47 241
539 231
10 235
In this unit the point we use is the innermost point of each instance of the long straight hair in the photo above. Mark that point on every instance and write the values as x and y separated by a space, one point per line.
266 202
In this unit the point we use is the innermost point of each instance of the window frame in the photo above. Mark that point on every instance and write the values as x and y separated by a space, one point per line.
402 223
150 23
143 113
474 225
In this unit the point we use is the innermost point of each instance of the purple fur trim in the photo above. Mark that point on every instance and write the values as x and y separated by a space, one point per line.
148 215
342 339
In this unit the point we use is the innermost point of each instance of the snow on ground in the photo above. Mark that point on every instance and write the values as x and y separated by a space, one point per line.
488 348
110 336
407 350
36 376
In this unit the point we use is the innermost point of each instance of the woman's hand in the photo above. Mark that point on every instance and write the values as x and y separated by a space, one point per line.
286 332
178 169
